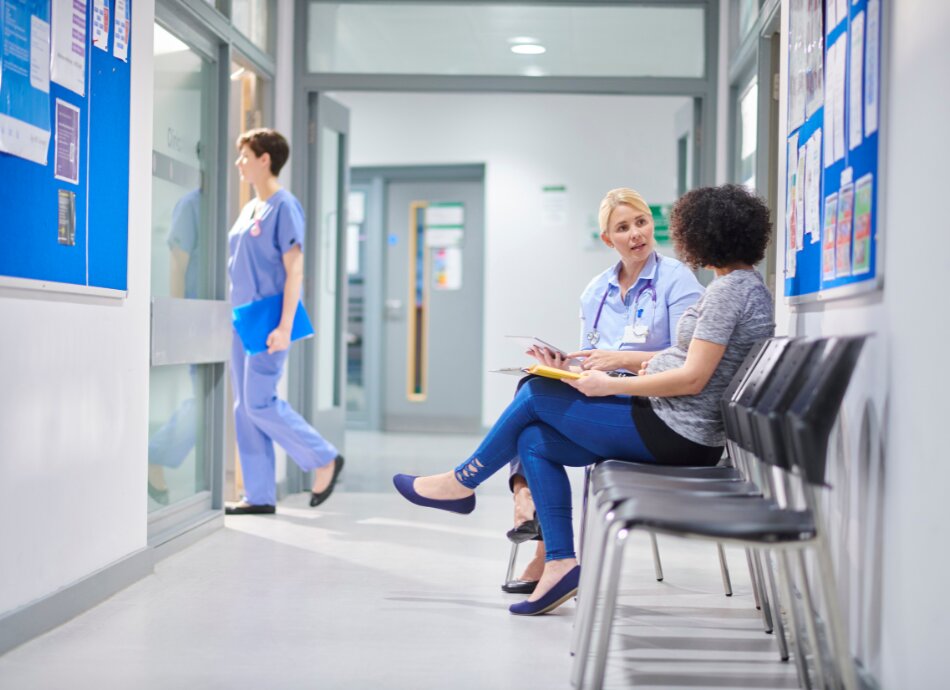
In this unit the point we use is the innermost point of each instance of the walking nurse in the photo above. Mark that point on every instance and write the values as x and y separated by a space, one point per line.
266 259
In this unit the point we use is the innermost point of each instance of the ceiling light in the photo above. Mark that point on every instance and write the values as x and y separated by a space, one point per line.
528 49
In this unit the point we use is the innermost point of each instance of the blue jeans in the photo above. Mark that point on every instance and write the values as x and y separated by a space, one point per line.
551 425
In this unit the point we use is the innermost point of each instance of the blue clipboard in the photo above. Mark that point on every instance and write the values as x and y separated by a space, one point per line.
254 321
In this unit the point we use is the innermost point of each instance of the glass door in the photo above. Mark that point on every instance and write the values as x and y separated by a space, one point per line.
189 328
318 371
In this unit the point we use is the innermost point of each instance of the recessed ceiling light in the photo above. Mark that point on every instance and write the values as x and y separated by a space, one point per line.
523 39
528 49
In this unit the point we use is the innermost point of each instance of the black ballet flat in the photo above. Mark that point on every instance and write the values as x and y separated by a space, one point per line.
250 509
527 531
519 586
318 498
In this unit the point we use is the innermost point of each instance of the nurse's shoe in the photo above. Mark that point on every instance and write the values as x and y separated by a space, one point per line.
316 498
243 508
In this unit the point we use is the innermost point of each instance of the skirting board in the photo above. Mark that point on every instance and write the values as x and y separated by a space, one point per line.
32 620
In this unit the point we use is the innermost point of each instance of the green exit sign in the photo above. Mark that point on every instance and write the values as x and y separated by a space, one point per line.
661 222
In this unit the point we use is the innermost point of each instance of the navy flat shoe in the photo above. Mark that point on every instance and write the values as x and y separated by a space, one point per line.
559 593
403 484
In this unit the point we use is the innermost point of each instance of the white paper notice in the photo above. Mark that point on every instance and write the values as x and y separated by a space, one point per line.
838 87
445 214
813 186
797 64
121 34
100 24
39 54
871 66
828 119
831 17
790 193
69 45
855 91
800 198
554 205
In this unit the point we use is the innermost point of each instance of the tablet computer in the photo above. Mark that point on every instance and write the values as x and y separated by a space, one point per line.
529 341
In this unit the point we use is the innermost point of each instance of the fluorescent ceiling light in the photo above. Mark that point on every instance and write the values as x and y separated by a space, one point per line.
528 49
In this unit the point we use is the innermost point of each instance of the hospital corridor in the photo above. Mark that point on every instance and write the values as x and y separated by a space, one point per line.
473 344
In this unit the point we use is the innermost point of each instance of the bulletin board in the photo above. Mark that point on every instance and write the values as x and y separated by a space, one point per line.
832 221
64 144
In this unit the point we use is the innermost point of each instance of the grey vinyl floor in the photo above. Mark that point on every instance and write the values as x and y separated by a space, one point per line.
371 592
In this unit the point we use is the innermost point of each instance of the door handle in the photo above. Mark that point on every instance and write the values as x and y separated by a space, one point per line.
394 310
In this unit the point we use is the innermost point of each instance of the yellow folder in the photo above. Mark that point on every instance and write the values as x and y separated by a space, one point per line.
551 372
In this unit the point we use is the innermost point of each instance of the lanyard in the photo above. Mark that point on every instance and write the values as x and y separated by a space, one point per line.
594 336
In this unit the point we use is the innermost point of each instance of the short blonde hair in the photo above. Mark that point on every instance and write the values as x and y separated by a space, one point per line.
616 197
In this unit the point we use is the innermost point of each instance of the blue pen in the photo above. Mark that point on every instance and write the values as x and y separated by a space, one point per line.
639 312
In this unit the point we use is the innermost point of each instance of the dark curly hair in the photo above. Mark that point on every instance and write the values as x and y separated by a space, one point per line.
719 226
264 140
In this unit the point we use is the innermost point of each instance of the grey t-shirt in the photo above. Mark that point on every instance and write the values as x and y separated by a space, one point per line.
735 311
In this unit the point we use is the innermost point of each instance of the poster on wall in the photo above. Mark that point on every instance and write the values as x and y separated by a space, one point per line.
24 79
796 64
123 25
447 268
100 24
68 66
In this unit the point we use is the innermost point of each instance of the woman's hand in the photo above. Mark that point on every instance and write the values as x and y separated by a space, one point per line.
547 357
594 384
643 367
600 360
279 339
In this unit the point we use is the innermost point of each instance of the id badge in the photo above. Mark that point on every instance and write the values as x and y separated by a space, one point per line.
632 334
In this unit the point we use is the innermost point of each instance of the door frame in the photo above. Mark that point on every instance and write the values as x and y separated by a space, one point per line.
320 111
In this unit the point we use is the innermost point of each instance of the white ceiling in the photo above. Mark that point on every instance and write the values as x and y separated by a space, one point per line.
402 38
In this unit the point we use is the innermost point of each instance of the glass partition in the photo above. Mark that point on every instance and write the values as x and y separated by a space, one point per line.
747 132
506 39
183 80
252 18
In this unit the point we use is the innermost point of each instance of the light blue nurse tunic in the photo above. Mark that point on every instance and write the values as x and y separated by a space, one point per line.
260 237
646 317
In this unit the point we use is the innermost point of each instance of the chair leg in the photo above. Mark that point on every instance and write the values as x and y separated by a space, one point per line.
615 543
724 569
657 566
794 639
588 594
512 560
763 593
813 641
776 607
585 498
753 578
839 640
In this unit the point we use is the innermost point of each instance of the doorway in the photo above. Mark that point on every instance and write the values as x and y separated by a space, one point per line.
419 365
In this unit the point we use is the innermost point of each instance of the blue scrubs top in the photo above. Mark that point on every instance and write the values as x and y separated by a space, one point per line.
186 218
676 290
260 237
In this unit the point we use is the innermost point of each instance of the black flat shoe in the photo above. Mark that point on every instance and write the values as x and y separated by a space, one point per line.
249 509
519 586
529 530
318 498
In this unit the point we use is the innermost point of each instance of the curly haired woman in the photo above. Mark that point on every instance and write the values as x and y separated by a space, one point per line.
669 414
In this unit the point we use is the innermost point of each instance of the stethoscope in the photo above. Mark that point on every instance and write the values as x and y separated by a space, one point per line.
639 329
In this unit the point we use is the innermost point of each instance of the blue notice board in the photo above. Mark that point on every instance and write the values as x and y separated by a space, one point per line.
65 212
832 229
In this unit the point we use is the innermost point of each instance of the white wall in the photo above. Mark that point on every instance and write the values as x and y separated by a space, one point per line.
892 544
588 143
74 402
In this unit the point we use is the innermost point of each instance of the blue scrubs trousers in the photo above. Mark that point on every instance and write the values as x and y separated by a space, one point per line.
551 425
261 418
